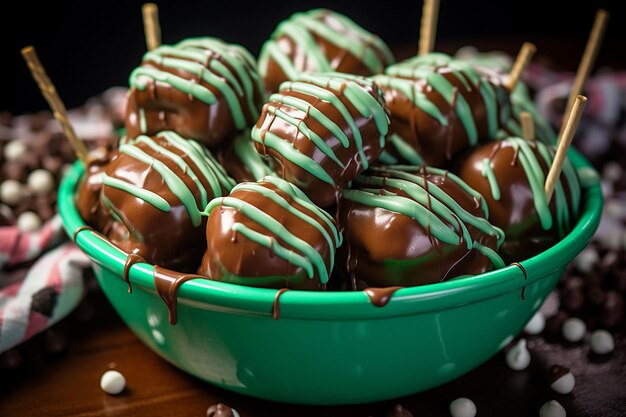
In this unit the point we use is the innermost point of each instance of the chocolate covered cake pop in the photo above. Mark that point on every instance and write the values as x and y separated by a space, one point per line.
439 107
321 131
407 225
201 88
269 234
152 194
320 41
520 98
511 174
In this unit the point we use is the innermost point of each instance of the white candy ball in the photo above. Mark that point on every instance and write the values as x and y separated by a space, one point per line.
518 357
612 171
112 382
574 329
462 407
587 259
601 342
565 384
14 150
40 181
536 324
552 409
28 222
11 192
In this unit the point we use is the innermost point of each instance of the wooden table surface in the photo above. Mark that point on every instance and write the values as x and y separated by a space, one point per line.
60 374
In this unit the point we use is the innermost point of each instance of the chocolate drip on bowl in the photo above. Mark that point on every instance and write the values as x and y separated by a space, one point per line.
380 296
167 283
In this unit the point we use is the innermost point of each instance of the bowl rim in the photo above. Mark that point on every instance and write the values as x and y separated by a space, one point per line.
345 305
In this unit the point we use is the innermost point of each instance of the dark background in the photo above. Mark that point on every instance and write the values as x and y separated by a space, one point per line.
89 46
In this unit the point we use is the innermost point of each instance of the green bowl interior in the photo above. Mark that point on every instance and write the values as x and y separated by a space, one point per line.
352 305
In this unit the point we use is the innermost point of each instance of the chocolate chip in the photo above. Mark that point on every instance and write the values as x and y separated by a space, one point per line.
554 323
612 310
399 411
14 170
572 295
11 359
44 301
596 296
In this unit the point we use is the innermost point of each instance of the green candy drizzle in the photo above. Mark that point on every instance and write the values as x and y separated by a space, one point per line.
536 179
301 28
276 198
326 87
203 161
426 204
402 77
244 148
304 201
312 259
199 56
287 150
491 177
141 193
409 208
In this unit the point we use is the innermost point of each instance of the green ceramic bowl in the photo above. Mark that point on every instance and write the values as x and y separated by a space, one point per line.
333 348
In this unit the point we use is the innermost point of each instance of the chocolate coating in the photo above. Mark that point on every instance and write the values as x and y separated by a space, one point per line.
88 195
510 174
201 88
148 200
269 234
320 40
411 226
439 107
322 131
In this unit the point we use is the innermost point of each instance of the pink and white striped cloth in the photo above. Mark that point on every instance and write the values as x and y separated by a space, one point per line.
36 296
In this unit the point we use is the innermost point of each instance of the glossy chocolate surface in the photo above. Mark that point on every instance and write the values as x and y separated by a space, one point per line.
316 41
301 111
440 107
516 209
113 200
226 82
384 247
235 257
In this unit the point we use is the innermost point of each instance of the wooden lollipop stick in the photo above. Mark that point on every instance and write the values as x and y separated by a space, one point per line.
151 26
521 62
528 126
428 26
52 97
587 62
564 143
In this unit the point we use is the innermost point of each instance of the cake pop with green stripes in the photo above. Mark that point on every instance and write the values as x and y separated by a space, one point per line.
407 225
321 130
521 100
320 40
202 88
269 234
440 107
151 196
511 175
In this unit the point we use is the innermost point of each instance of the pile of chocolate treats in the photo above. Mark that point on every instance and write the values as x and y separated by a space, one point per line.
326 166
34 155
